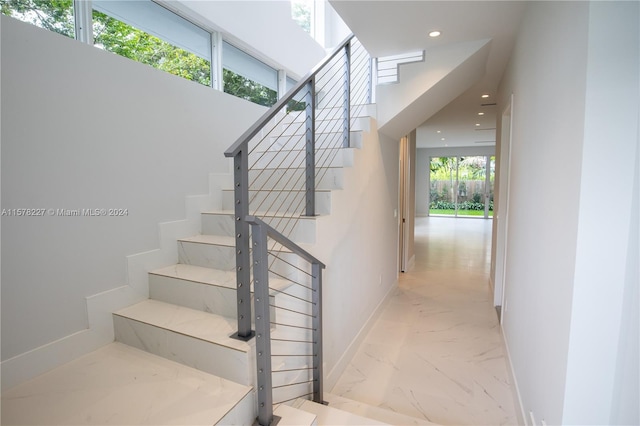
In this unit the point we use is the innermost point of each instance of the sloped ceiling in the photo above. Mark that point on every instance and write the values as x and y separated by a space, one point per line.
426 87
392 27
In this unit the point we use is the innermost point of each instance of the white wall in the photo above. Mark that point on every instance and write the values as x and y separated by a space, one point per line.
359 243
264 26
335 30
604 253
84 128
575 89
547 78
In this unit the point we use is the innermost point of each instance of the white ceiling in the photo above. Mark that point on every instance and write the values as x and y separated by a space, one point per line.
392 27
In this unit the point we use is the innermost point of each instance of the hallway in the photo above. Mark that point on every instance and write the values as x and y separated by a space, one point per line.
436 351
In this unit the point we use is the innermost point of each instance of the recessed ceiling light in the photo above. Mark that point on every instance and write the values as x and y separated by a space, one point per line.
477 124
434 34
481 113
485 95
441 139
438 131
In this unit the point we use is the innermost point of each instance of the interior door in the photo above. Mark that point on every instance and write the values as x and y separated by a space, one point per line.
403 204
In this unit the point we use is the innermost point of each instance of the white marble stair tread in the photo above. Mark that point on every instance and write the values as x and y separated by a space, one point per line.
189 322
372 412
327 415
121 385
290 416
198 274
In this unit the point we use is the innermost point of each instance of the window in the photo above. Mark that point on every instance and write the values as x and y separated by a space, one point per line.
302 14
248 78
53 15
148 33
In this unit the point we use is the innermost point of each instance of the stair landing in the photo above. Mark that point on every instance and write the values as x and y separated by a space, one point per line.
120 385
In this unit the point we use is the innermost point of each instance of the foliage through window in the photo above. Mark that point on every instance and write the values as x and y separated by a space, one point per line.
301 11
123 39
244 88
127 40
53 15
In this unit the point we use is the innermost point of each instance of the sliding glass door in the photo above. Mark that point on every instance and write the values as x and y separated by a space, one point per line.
461 186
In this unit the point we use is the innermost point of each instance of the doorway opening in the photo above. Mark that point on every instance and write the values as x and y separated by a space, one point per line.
462 186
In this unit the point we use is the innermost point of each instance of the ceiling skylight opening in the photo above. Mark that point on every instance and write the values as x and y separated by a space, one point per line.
434 34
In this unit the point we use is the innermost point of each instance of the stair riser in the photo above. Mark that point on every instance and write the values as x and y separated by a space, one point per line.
291 392
290 202
287 308
330 112
322 113
299 229
326 126
298 141
205 356
202 297
289 377
224 258
288 334
326 179
324 157
243 413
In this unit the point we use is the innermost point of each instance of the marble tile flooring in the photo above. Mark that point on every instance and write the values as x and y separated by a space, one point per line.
436 350
119 385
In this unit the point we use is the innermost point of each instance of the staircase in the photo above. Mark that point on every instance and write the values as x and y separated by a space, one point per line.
174 360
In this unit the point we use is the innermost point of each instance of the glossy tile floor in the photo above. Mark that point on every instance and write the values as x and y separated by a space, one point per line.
436 351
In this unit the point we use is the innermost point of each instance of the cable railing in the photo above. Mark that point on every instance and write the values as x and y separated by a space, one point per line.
290 330
285 163
284 167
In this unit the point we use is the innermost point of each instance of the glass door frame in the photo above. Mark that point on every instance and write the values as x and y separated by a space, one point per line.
455 189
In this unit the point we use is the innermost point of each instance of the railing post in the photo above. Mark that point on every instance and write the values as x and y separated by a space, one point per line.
243 269
346 128
316 284
310 139
263 324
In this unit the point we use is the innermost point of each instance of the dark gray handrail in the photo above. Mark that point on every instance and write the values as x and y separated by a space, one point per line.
240 153
327 88
261 233
233 150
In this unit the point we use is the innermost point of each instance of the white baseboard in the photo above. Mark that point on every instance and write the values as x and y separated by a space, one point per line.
521 418
100 306
335 373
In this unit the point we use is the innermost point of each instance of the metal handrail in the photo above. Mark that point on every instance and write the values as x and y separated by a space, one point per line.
240 152
261 232
244 139
285 167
